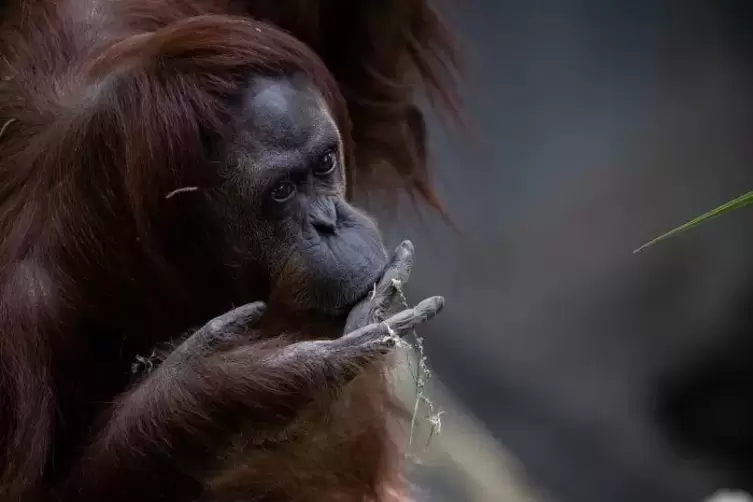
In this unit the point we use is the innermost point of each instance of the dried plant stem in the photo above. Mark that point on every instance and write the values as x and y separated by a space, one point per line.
421 375
179 191
6 126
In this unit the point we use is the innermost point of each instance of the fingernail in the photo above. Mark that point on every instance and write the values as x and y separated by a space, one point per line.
403 251
433 300
256 307
433 305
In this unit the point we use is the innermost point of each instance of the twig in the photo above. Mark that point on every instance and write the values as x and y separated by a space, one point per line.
181 190
5 127
421 376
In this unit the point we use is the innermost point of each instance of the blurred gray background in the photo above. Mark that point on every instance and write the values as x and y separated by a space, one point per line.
597 125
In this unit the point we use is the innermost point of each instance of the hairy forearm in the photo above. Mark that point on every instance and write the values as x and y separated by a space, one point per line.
167 427
171 427
142 442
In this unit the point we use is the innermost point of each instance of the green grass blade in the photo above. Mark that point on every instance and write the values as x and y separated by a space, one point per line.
737 203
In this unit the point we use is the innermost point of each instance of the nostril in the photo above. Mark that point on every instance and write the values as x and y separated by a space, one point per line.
323 216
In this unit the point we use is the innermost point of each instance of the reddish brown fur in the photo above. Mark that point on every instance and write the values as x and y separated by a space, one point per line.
380 52
85 228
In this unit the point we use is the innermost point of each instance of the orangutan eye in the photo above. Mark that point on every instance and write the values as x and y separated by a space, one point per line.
283 191
326 164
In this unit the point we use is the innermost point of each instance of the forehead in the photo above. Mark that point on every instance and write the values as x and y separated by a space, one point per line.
282 113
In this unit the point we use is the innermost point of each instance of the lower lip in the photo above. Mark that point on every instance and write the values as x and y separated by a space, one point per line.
363 295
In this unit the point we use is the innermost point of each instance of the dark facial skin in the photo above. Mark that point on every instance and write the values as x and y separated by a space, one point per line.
280 195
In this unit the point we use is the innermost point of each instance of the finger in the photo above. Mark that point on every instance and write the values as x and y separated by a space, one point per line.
397 274
237 319
363 338
373 307
402 322
408 319
217 330
383 335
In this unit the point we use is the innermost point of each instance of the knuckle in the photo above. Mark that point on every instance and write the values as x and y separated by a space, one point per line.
216 325
377 313
388 341
255 309
251 318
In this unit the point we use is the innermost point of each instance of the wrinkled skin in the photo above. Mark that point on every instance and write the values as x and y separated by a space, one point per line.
279 201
